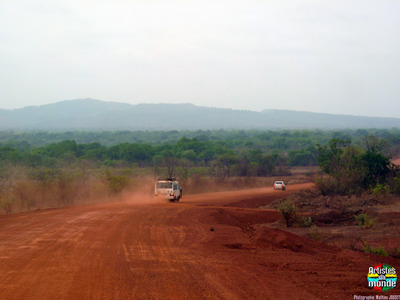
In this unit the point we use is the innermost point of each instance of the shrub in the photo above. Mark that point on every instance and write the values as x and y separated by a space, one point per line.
7 204
288 211
306 221
116 183
326 185
377 251
365 221
380 190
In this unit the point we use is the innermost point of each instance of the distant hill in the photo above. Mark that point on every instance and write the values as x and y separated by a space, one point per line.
89 114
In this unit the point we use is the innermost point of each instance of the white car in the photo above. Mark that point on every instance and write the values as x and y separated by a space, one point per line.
168 189
279 185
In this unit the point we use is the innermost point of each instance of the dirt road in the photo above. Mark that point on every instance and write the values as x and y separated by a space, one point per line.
209 246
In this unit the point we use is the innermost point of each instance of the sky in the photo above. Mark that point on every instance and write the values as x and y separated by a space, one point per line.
330 56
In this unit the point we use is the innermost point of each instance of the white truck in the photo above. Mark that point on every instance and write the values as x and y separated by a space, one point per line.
279 185
169 189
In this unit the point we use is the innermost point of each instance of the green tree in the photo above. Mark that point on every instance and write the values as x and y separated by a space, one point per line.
9 154
377 167
59 149
329 158
351 169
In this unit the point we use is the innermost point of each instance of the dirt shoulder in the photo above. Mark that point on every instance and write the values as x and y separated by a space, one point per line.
355 223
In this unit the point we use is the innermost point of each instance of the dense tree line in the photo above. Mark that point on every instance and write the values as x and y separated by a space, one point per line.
260 139
186 153
240 153
39 169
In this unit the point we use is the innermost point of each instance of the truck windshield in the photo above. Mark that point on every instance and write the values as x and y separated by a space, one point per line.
164 185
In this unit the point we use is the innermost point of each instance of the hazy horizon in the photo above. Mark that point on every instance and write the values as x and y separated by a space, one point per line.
196 105
339 57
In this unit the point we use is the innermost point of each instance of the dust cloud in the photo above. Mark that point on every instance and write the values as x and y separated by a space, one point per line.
141 192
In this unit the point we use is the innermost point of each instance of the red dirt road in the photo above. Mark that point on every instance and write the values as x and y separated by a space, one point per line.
167 251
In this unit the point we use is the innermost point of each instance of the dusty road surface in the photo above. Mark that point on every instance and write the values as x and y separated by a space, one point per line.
209 246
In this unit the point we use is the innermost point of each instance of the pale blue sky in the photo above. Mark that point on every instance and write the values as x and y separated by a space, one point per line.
339 56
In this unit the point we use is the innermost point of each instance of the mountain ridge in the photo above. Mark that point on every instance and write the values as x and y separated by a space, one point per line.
92 114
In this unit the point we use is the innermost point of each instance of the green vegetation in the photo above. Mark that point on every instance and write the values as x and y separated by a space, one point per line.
372 250
380 250
354 169
306 221
288 212
380 190
365 221
116 183
245 153
41 169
